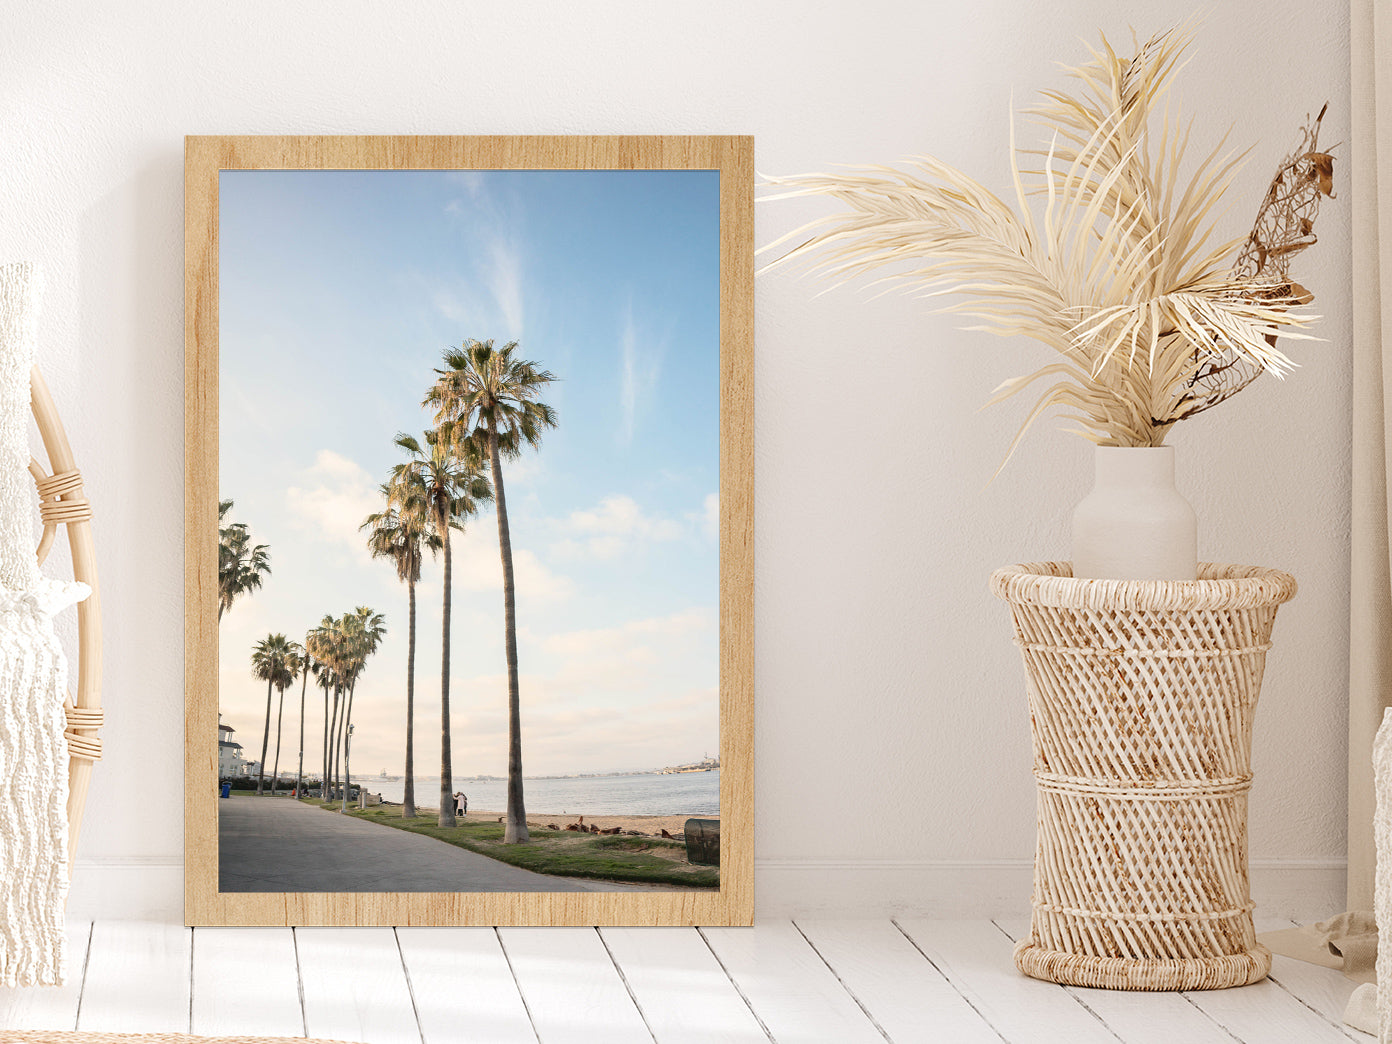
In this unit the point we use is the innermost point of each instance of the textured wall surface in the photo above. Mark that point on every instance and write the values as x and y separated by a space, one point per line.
893 747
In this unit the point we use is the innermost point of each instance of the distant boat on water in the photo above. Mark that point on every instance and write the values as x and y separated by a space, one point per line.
389 779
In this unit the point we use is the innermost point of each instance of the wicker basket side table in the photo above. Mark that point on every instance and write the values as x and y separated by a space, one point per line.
1141 696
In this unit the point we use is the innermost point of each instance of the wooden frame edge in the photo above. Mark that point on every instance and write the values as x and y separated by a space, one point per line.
733 903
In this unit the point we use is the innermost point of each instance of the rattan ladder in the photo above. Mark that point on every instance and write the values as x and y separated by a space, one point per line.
62 502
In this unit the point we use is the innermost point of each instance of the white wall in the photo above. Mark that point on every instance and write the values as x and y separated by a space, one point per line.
893 757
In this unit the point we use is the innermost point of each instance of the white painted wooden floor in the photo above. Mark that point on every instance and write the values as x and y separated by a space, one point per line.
839 982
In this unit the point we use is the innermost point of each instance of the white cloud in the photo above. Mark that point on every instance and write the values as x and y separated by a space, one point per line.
611 528
336 495
477 566
710 519
625 665
471 181
627 641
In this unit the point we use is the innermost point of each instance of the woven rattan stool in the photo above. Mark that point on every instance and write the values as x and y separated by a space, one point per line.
1141 696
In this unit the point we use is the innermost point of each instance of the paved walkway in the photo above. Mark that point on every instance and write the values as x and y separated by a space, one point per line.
271 844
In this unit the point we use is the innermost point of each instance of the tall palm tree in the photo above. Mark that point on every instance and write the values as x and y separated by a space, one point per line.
292 671
363 631
400 533
241 564
339 661
306 669
489 399
323 643
324 677
453 486
270 662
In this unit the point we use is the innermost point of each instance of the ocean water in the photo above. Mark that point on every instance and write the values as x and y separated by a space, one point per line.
679 794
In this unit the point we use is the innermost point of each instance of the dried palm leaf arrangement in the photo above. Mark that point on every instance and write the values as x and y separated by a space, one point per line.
1153 320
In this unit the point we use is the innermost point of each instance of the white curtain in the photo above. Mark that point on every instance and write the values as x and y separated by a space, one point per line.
1370 632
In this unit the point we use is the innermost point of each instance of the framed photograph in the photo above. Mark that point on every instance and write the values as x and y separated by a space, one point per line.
469 530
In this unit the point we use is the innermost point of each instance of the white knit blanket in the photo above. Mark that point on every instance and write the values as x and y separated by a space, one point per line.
33 681
1382 881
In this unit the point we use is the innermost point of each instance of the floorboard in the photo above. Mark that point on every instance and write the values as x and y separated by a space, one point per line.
246 981
355 986
908 998
789 987
815 981
1139 1017
463 987
137 978
1324 990
572 989
976 957
50 1007
1264 1013
683 993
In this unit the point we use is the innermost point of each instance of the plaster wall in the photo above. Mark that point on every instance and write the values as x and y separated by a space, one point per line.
893 747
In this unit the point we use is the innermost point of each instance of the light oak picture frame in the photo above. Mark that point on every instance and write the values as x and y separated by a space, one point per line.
732 156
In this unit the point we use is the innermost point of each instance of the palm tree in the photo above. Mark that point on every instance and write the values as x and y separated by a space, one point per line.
306 669
400 533
323 674
339 652
240 563
363 631
292 670
489 398
453 485
323 643
270 662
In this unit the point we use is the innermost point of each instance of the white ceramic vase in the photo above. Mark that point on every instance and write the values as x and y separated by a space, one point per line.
1134 525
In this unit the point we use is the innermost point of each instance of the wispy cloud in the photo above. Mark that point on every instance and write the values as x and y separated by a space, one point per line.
495 240
505 281
474 182
640 365
452 304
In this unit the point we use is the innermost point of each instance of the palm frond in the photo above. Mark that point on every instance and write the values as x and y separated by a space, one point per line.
1108 253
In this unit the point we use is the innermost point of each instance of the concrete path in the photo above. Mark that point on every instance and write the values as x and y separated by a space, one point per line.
270 844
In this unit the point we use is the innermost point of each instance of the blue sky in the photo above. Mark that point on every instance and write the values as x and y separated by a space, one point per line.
339 292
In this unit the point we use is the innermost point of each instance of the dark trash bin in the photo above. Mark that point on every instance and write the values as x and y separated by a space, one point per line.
227 790
703 841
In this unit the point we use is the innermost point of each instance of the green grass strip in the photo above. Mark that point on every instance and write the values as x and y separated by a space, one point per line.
561 853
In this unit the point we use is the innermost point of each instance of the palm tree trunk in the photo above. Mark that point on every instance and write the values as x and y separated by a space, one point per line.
338 742
299 773
265 741
408 798
515 832
324 747
280 717
446 764
333 748
324 776
347 729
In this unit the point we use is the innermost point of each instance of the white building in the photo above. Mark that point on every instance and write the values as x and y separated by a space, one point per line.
230 761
